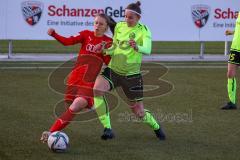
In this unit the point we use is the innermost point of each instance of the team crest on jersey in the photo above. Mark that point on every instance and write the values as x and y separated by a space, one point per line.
32 11
200 14
132 35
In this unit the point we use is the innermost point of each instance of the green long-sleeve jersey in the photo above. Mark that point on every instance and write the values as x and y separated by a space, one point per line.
125 60
236 38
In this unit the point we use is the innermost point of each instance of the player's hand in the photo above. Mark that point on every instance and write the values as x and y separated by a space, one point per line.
133 44
50 31
228 32
99 48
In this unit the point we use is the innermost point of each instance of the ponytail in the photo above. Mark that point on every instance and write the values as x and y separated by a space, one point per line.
112 23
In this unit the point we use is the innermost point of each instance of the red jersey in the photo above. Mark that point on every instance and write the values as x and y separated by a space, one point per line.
90 44
88 61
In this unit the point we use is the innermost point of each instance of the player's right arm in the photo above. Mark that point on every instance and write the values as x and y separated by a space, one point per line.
66 41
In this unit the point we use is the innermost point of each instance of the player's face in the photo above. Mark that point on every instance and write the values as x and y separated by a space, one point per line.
131 18
100 26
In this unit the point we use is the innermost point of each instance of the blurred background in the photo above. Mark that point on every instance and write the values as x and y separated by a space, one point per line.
178 27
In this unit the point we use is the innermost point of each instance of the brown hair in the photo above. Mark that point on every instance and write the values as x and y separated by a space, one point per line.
110 21
135 7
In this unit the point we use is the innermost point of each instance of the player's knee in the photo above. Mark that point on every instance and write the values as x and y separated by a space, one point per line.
138 110
231 70
231 74
101 86
97 90
78 104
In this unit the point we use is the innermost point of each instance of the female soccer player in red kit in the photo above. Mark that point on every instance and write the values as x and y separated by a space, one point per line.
79 90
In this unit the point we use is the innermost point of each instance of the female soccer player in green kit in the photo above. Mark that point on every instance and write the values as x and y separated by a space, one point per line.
233 63
130 41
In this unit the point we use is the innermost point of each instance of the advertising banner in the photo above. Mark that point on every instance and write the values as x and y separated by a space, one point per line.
171 20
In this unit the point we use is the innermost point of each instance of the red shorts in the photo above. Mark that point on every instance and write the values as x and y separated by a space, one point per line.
77 87
72 93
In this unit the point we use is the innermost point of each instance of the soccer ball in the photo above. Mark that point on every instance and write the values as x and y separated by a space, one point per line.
58 141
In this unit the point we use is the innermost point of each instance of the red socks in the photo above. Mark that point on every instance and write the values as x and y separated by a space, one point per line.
62 121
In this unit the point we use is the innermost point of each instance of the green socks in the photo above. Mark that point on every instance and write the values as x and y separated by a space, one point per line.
102 111
150 120
232 88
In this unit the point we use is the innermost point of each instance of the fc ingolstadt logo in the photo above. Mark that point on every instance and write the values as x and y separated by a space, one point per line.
132 35
200 15
32 11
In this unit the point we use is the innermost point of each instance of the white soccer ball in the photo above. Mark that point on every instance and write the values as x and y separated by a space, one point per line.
58 141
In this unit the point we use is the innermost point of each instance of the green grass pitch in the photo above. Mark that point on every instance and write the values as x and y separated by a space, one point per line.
41 46
195 126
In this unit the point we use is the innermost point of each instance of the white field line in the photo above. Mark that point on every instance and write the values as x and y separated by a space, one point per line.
32 63
172 66
29 68
164 63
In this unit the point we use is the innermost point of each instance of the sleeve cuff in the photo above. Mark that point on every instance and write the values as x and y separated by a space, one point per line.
144 50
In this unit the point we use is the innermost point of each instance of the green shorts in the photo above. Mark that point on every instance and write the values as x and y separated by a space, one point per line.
234 57
132 85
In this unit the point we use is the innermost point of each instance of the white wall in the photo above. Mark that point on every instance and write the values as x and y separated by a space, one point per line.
169 20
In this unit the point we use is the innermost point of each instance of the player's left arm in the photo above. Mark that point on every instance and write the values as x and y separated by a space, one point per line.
146 46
